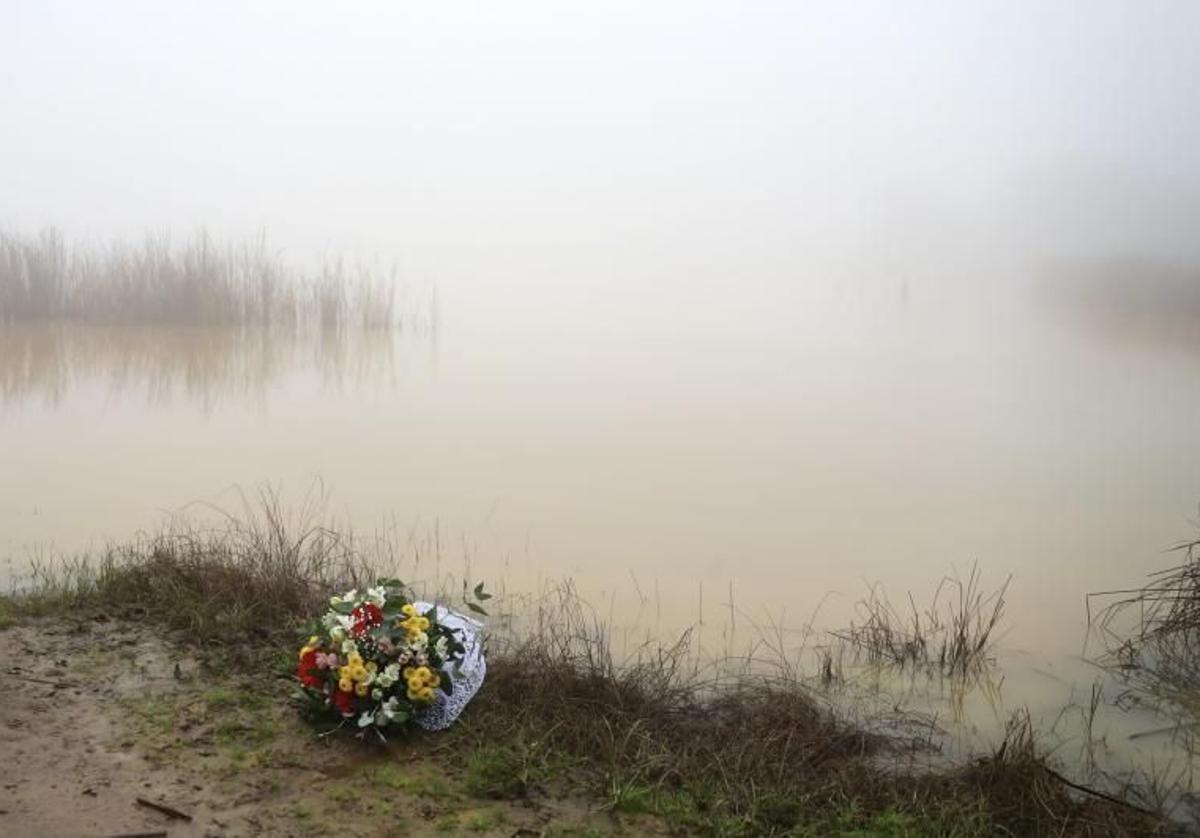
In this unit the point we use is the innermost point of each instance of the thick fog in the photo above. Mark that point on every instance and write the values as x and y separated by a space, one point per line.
549 145
787 295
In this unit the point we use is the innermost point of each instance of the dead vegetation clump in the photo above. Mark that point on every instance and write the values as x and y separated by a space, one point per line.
749 753
762 754
953 636
1028 796
661 711
1153 632
254 576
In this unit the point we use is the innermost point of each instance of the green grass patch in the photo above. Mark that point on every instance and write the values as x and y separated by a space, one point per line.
934 821
575 830
8 613
419 781
483 820
226 698
514 768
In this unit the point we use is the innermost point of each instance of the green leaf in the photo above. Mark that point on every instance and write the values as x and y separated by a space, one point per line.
447 682
390 583
342 607
480 594
476 609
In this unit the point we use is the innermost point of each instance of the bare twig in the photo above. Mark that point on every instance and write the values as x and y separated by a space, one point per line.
170 812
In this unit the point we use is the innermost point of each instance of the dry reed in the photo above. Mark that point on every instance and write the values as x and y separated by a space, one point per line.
1153 632
953 636
199 283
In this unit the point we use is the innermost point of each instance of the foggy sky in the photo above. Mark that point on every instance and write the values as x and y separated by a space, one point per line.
550 141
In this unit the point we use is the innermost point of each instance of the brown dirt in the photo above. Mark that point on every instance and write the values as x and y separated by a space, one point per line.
99 713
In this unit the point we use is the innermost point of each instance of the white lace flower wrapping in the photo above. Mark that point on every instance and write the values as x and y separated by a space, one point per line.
447 708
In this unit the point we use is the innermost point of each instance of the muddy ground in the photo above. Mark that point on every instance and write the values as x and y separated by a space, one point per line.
102 720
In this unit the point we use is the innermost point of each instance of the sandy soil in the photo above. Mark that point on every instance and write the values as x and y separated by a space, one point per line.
99 714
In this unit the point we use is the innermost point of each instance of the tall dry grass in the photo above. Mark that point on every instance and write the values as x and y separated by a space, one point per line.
954 635
199 282
1153 632
251 576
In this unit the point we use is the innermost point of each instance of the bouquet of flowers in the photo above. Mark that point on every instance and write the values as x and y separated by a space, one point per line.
379 658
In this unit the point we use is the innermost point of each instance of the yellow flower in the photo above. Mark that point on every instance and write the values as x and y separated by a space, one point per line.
426 694
408 609
354 658
414 695
361 690
344 672
408 672
358 673
422 623
422 672
345 685
372 667
313 643
415 683
435 680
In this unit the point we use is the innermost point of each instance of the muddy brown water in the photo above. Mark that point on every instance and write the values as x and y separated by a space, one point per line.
705 458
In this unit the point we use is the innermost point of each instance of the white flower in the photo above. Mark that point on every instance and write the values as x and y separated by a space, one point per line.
366 719
349 647
377 695
419 641
389 676
377 596
389 708
441 647
337 634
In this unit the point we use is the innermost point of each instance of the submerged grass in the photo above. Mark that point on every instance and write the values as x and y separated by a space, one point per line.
954 635
1153 633
751 753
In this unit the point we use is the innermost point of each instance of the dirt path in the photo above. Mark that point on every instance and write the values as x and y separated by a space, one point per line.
98 714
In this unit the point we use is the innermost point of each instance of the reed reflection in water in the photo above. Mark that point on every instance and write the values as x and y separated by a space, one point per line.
205 364
201 319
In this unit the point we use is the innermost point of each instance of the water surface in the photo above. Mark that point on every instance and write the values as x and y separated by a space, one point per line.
774 448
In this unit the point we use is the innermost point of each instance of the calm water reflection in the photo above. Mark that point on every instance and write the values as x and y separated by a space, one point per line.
204 366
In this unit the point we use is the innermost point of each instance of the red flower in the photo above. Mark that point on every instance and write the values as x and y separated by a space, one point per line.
307 669
366 617
343 702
